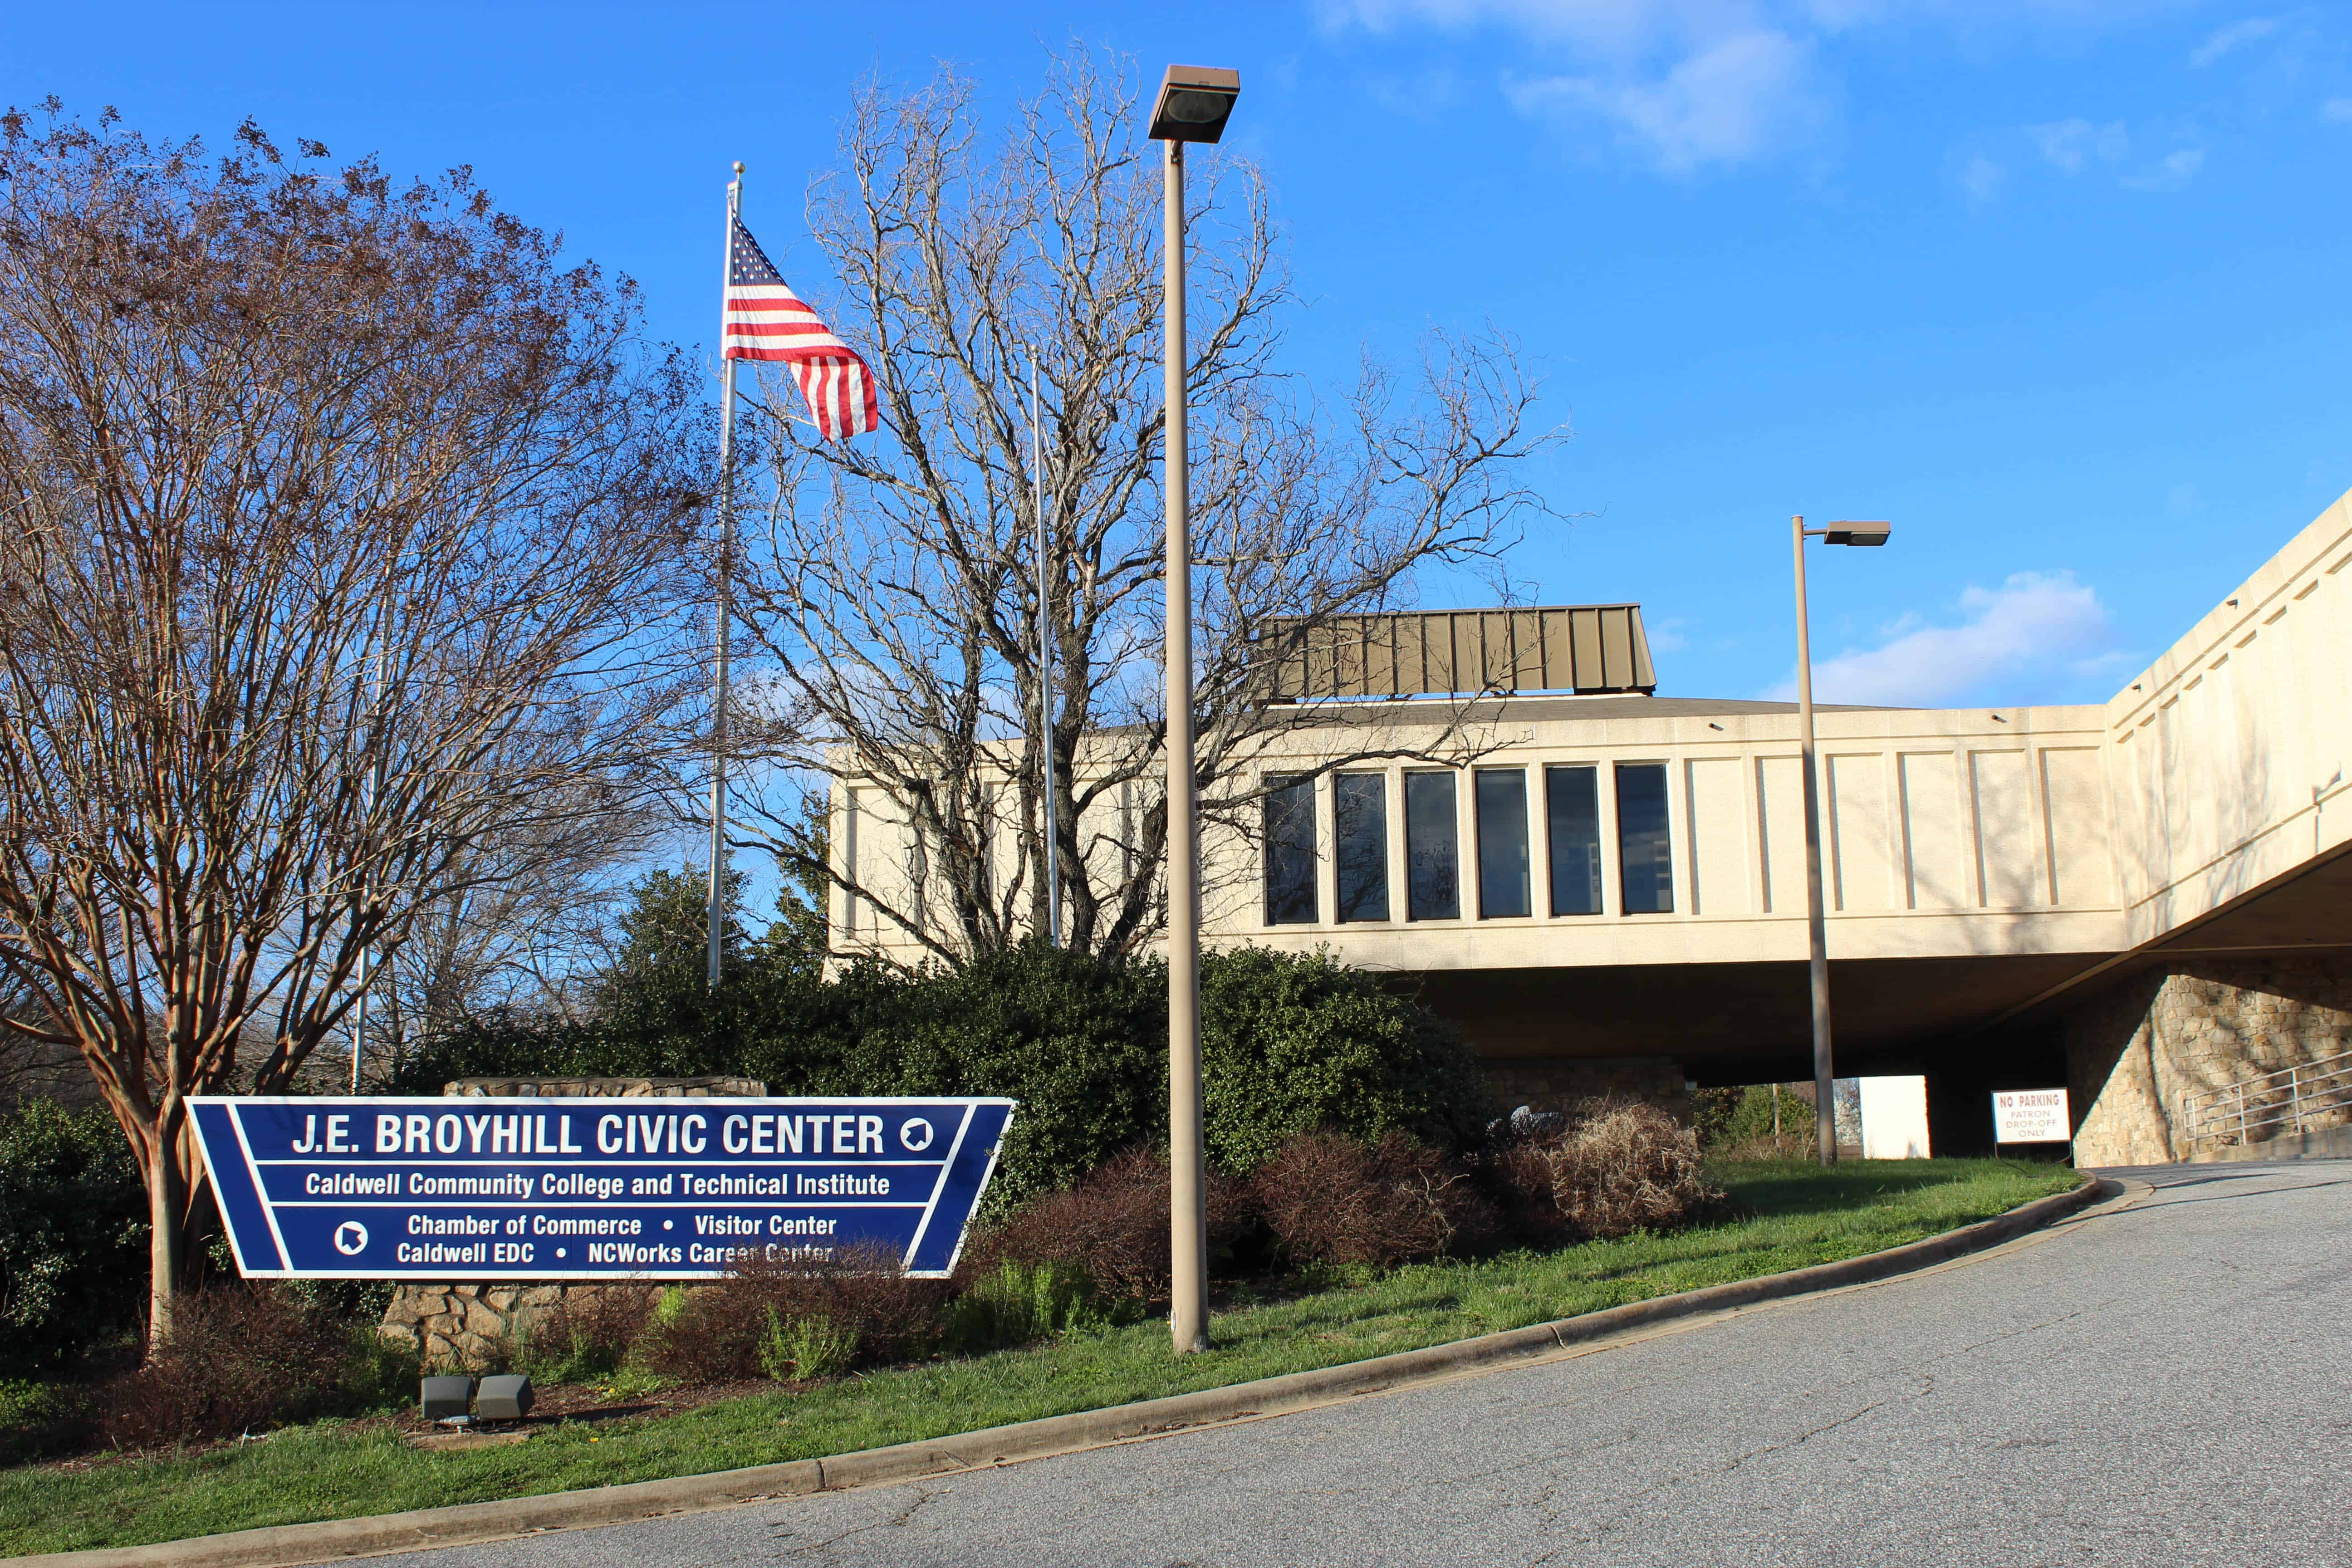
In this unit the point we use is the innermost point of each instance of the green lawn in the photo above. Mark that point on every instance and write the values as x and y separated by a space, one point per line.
1794 1216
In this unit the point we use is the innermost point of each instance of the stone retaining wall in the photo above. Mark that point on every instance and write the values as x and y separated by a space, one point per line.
2138 1052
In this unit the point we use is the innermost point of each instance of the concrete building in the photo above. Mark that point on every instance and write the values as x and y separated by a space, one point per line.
2149 900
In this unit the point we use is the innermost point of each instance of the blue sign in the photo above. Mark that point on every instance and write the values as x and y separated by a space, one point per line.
590 1189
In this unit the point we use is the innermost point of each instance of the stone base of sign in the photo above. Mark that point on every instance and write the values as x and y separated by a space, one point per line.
477 1328
482 1325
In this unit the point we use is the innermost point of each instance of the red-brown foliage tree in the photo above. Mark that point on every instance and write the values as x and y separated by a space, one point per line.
339 580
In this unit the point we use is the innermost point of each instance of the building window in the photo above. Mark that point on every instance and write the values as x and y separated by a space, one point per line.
1502 799
1572 803
1432 847
1361 808
1646 859
1291 852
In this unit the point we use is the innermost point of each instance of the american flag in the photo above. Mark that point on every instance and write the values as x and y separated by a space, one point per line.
765 320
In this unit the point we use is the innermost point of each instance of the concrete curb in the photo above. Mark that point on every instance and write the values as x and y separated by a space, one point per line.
287 1545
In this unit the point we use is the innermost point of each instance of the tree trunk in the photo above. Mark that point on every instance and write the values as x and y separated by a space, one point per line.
167 1245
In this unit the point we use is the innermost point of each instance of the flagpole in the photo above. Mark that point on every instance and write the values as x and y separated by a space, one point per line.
1045 662
718 901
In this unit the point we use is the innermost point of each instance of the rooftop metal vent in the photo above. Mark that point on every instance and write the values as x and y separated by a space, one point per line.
1583 649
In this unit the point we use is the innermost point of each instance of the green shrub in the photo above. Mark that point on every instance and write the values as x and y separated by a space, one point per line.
1080 1042
1300 1042
1013 1303
40 1417
805 1348
1742 1119
73 1238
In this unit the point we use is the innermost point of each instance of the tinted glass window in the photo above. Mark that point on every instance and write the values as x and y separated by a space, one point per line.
1502 799
1572 802
1360 802
1645 857
1433 852
1290 852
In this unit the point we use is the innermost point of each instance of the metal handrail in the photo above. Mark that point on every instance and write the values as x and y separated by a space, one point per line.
2293 1096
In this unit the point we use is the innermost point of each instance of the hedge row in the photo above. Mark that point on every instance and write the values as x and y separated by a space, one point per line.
1288 1043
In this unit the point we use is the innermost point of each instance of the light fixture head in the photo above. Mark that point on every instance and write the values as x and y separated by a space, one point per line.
1193 104
1856 533
446 1398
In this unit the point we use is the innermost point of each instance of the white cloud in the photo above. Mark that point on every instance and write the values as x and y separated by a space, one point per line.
2023 640
1693 83
2251 30
2071 143
2176 170
1742 97
1981 178
2336 112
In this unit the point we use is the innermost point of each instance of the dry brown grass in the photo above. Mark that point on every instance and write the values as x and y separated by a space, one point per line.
1618 1167
1624 1167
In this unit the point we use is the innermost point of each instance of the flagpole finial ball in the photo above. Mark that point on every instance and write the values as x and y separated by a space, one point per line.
738 165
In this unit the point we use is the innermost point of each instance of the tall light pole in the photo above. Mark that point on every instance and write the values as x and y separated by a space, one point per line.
1193 104
1816 922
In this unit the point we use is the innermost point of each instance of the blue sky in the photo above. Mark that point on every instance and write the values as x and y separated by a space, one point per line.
2057 286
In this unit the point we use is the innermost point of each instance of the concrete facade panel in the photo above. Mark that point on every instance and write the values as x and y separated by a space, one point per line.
1722 865
1861 848
1935 871
2080 855
1780 812
2008 854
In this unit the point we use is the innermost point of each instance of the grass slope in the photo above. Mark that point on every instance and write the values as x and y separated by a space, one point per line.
1795 1216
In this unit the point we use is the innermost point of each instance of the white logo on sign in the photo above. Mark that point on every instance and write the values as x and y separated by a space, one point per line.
915 1133
351 1238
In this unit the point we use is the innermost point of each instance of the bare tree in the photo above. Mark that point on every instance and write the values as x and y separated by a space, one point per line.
893 591
518 936
312 481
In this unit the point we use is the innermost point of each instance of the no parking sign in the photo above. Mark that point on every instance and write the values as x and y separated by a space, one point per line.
2031 1116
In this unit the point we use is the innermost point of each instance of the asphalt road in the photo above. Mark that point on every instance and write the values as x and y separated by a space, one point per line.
2165 1383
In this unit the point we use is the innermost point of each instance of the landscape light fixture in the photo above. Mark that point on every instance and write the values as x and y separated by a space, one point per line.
1816 925
446 1399
505 1398
1194 103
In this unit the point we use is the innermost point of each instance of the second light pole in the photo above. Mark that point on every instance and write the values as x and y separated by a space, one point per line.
1192 106
1816 919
